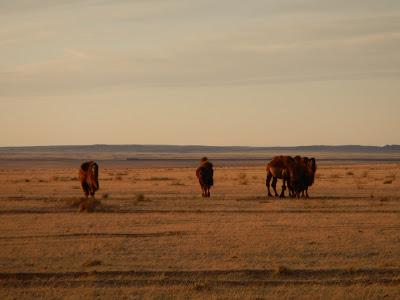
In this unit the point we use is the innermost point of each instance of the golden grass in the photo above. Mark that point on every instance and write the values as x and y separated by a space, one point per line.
161 239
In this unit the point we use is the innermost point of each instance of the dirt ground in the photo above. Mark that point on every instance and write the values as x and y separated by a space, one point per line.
153 236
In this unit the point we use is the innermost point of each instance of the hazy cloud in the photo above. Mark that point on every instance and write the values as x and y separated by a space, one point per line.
188 51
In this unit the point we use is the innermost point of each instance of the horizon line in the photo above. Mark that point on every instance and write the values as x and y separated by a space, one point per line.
198 145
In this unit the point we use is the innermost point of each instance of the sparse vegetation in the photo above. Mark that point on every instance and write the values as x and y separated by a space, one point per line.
121 173
242 179
271 243
83 204
177 183
283 270
64 178
389 179
89 205
140 197
202 286
335 176
92 263
242 176
160 178
74 202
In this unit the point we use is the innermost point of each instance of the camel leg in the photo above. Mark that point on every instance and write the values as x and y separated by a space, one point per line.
274 182
205 192
289 188
92 192
85 189
307 196
282 195
268 184
291 192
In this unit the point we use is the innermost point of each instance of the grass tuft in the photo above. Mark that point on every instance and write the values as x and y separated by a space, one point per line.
242 179
92 263
140 197
283 270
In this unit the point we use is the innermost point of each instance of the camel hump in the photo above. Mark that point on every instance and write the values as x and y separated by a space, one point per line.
88 165
89 169
312 164
281 162
207 165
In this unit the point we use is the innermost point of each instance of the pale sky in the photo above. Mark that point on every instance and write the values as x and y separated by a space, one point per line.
225 72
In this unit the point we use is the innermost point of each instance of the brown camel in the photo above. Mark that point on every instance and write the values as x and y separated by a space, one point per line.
279 168
311 170
302 175
89 178
205 174
299 176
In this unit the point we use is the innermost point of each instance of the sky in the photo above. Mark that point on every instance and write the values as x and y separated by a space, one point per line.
226 72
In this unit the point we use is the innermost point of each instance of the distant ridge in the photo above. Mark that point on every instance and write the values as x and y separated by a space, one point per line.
199 148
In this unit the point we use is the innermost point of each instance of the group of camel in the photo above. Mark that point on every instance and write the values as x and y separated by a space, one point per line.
297 173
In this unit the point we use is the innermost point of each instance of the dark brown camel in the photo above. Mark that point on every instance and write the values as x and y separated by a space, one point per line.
302 175
299 176
89 178
205 174
311 170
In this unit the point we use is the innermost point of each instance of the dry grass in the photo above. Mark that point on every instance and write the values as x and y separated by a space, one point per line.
343 243
91 263
89 205
74 202
242 179
160 178
140 197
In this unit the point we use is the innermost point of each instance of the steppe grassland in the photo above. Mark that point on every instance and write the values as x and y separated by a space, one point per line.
155 236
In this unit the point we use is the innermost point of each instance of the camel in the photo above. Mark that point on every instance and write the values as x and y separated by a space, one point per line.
302 176
311 170
89 178
279 168
299 176
205 174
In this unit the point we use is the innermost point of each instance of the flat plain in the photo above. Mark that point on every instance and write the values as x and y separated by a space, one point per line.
153 236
